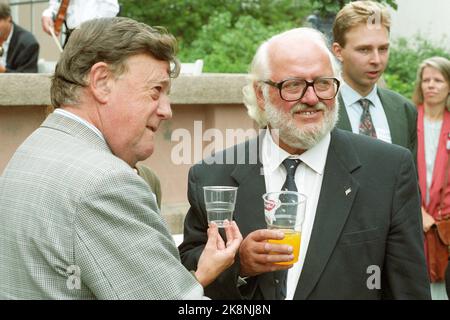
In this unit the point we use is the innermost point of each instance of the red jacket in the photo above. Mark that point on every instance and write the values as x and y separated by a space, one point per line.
440 164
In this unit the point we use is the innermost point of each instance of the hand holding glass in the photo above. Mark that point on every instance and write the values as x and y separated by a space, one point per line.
219 203
285 211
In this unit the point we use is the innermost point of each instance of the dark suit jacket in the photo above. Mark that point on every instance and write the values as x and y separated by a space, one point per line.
401 115
377 224
23 52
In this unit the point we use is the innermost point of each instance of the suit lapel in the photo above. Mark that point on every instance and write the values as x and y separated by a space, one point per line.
344 121
249 210
12 45
397 126
337 194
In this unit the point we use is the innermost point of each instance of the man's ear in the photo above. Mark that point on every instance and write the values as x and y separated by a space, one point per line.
100 81
259 96
337 50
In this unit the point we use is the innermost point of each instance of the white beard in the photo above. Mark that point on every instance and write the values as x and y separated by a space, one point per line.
308 136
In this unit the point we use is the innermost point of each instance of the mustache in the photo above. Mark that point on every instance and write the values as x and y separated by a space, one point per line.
303 107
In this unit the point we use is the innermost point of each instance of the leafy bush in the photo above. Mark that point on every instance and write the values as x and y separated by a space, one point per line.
186 18
404 60
224 33
228 47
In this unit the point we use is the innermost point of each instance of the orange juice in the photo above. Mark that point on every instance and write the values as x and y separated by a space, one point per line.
292 238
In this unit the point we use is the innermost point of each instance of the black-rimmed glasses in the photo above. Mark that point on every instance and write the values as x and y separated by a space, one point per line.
294 89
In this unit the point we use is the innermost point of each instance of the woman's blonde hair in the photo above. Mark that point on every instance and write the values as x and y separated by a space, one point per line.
439 63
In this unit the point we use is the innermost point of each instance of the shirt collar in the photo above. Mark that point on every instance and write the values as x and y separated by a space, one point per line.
351 96
79 119
315 158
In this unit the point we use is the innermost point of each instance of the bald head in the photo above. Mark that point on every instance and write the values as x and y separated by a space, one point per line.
295 46
301 49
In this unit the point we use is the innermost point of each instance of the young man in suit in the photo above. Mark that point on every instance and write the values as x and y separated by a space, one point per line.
362 234
77 222
19 50
361 44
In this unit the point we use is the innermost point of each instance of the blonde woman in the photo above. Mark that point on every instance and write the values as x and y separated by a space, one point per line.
431 96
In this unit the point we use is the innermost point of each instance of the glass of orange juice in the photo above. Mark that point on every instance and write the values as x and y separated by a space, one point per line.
285 211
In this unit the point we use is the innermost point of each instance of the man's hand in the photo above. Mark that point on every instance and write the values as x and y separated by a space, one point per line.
258 256
218 256
47 24
427 220
2 68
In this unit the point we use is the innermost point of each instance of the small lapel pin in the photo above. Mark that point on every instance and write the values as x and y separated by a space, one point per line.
348 191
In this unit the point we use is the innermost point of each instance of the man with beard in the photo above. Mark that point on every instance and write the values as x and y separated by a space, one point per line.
361 238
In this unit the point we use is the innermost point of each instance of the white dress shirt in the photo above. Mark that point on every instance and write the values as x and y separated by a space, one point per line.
432 131
5 46
80 11
354 111
308 178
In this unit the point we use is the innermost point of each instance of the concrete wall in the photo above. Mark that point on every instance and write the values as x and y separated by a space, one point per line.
199 103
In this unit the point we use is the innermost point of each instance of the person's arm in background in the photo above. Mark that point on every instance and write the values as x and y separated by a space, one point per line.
48 16
152 180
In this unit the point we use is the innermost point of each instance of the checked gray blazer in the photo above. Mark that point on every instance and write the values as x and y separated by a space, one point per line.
76 222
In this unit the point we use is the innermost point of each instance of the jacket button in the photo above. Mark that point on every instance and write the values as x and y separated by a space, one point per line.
277 281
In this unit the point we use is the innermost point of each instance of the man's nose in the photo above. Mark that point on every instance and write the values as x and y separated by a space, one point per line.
164 109
310 98
375 57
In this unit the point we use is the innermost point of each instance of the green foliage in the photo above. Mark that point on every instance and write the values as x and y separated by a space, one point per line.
327 7
224 33
185 18
404 60
228 47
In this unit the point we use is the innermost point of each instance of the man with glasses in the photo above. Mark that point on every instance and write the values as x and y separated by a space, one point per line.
361 238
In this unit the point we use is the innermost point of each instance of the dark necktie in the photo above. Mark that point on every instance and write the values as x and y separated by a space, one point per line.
289 185
291 166
366 125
